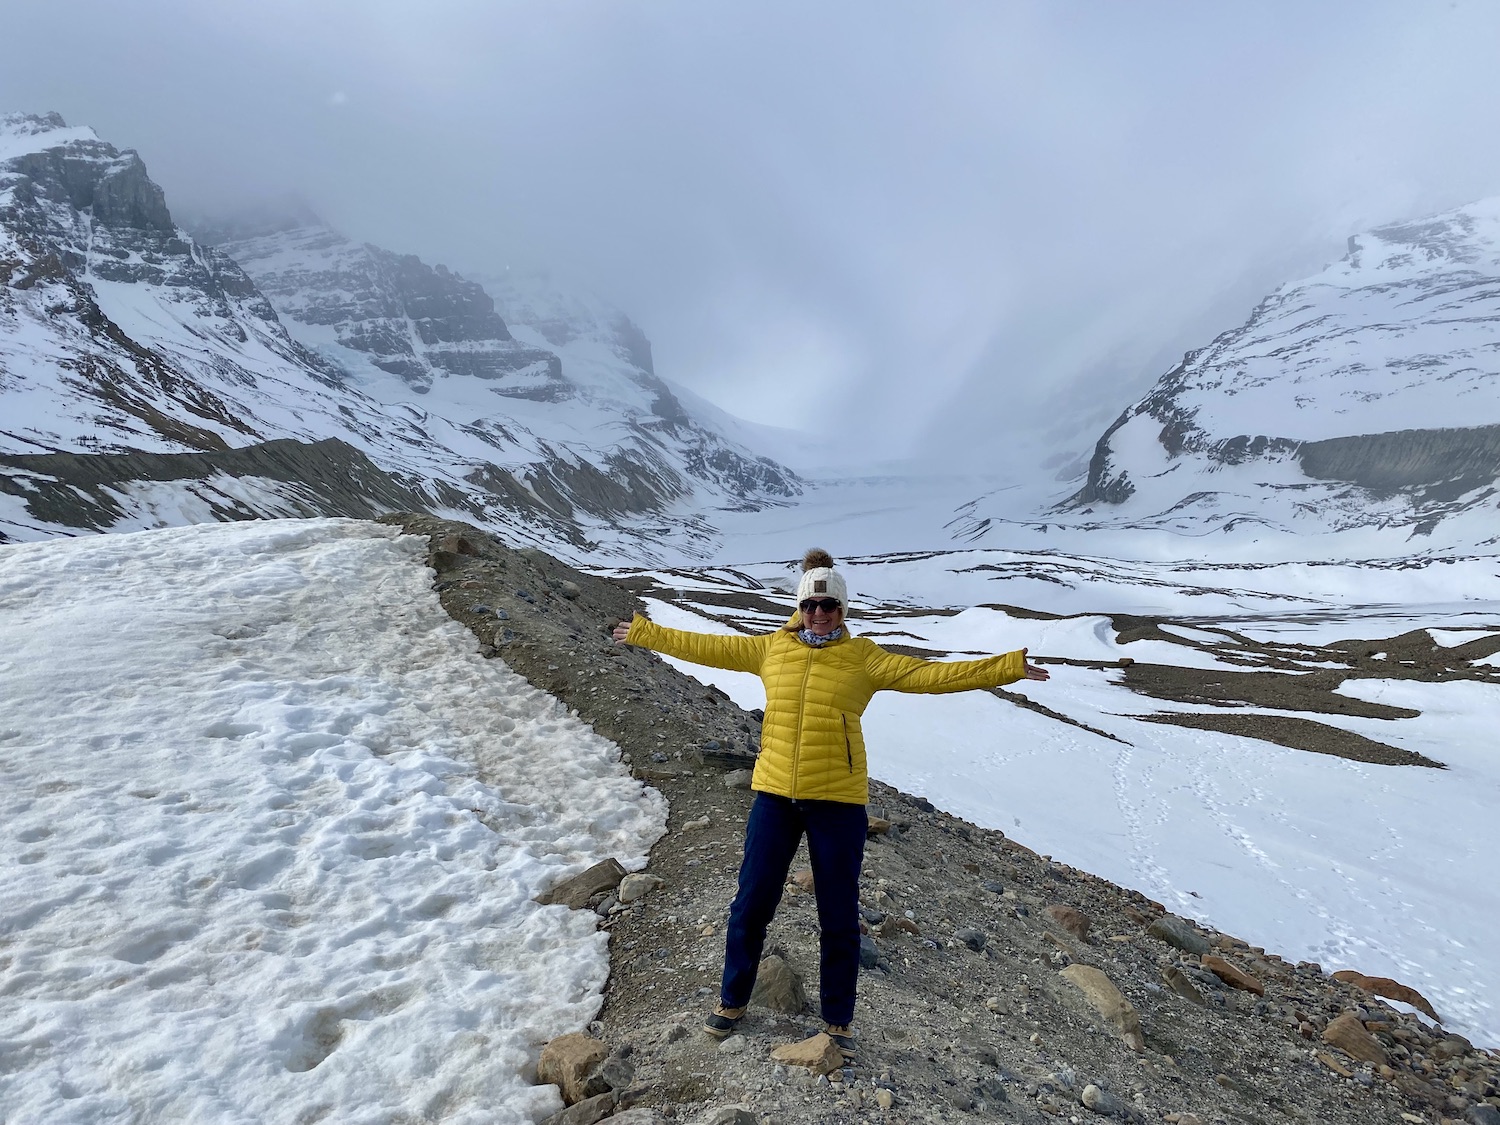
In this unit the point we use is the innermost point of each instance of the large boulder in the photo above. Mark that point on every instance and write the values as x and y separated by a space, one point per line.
1109 1002
568 1063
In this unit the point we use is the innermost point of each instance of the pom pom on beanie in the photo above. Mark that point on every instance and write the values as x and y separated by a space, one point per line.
816 559
820 580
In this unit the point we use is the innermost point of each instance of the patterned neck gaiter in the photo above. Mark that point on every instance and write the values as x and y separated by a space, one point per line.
808 637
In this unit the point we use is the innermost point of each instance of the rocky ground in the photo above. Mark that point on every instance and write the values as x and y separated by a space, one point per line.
999 984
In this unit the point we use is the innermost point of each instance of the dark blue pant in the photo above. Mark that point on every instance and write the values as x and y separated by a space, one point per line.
836 842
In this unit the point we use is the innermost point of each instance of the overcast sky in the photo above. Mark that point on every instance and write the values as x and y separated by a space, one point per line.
976 230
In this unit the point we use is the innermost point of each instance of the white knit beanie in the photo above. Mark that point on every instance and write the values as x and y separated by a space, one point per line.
820 580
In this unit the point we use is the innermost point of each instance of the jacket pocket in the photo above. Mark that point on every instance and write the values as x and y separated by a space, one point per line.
848 745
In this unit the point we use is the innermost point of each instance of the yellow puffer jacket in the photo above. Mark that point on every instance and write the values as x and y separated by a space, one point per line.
812 747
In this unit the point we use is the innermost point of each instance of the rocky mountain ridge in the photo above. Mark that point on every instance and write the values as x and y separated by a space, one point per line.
1381 372
120 333
1364 397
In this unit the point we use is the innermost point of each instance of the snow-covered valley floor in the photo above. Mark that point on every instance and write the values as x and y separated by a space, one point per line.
270 828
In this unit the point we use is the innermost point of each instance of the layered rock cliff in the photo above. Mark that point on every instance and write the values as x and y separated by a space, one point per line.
1366 395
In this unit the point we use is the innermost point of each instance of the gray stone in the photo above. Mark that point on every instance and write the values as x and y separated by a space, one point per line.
638 886
587 1112
1065 1078
974 939
575 893
728 1115
641 1115
1101 1101
869 955
615 1072
1482 1114
992 1089
1178 932
778 986
738 779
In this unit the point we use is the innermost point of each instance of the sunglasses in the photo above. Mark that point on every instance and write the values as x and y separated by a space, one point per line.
827 605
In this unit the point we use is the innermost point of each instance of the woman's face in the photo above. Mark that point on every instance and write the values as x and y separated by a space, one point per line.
820 620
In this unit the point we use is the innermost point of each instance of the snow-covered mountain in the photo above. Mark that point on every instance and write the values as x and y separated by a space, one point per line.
120 334
1367 396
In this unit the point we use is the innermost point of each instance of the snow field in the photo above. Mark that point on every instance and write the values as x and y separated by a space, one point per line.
270 829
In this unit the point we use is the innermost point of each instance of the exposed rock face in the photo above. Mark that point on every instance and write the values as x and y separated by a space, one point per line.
121 335
275 478
405 317
1381 373
1443 464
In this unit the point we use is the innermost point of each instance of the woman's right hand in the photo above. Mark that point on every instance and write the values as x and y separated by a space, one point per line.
622 630
1033 672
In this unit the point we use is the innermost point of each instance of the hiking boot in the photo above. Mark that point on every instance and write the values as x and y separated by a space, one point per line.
721 1021
843 1038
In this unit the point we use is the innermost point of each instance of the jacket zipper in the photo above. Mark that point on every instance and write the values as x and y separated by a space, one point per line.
801 716
848 746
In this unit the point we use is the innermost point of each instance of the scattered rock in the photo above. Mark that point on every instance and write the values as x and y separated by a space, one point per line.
638 1116
1109 1002
738 779
1348 1034
567 1062
1482 1114
974 939
1451 1047
803 880
884 1099
1178 932
1390 989
1101 1101
869 953
729 1115
878 826
1178 982
590 1111
895 925
1334 1065
1232 976
778 986
575 893
635 887
819 1054
993 1090
616 1072
1076 922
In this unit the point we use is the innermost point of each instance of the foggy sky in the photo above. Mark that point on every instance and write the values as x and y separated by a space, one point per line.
970 230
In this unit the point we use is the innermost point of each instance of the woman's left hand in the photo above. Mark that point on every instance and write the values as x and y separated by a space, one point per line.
1033 672
622 630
